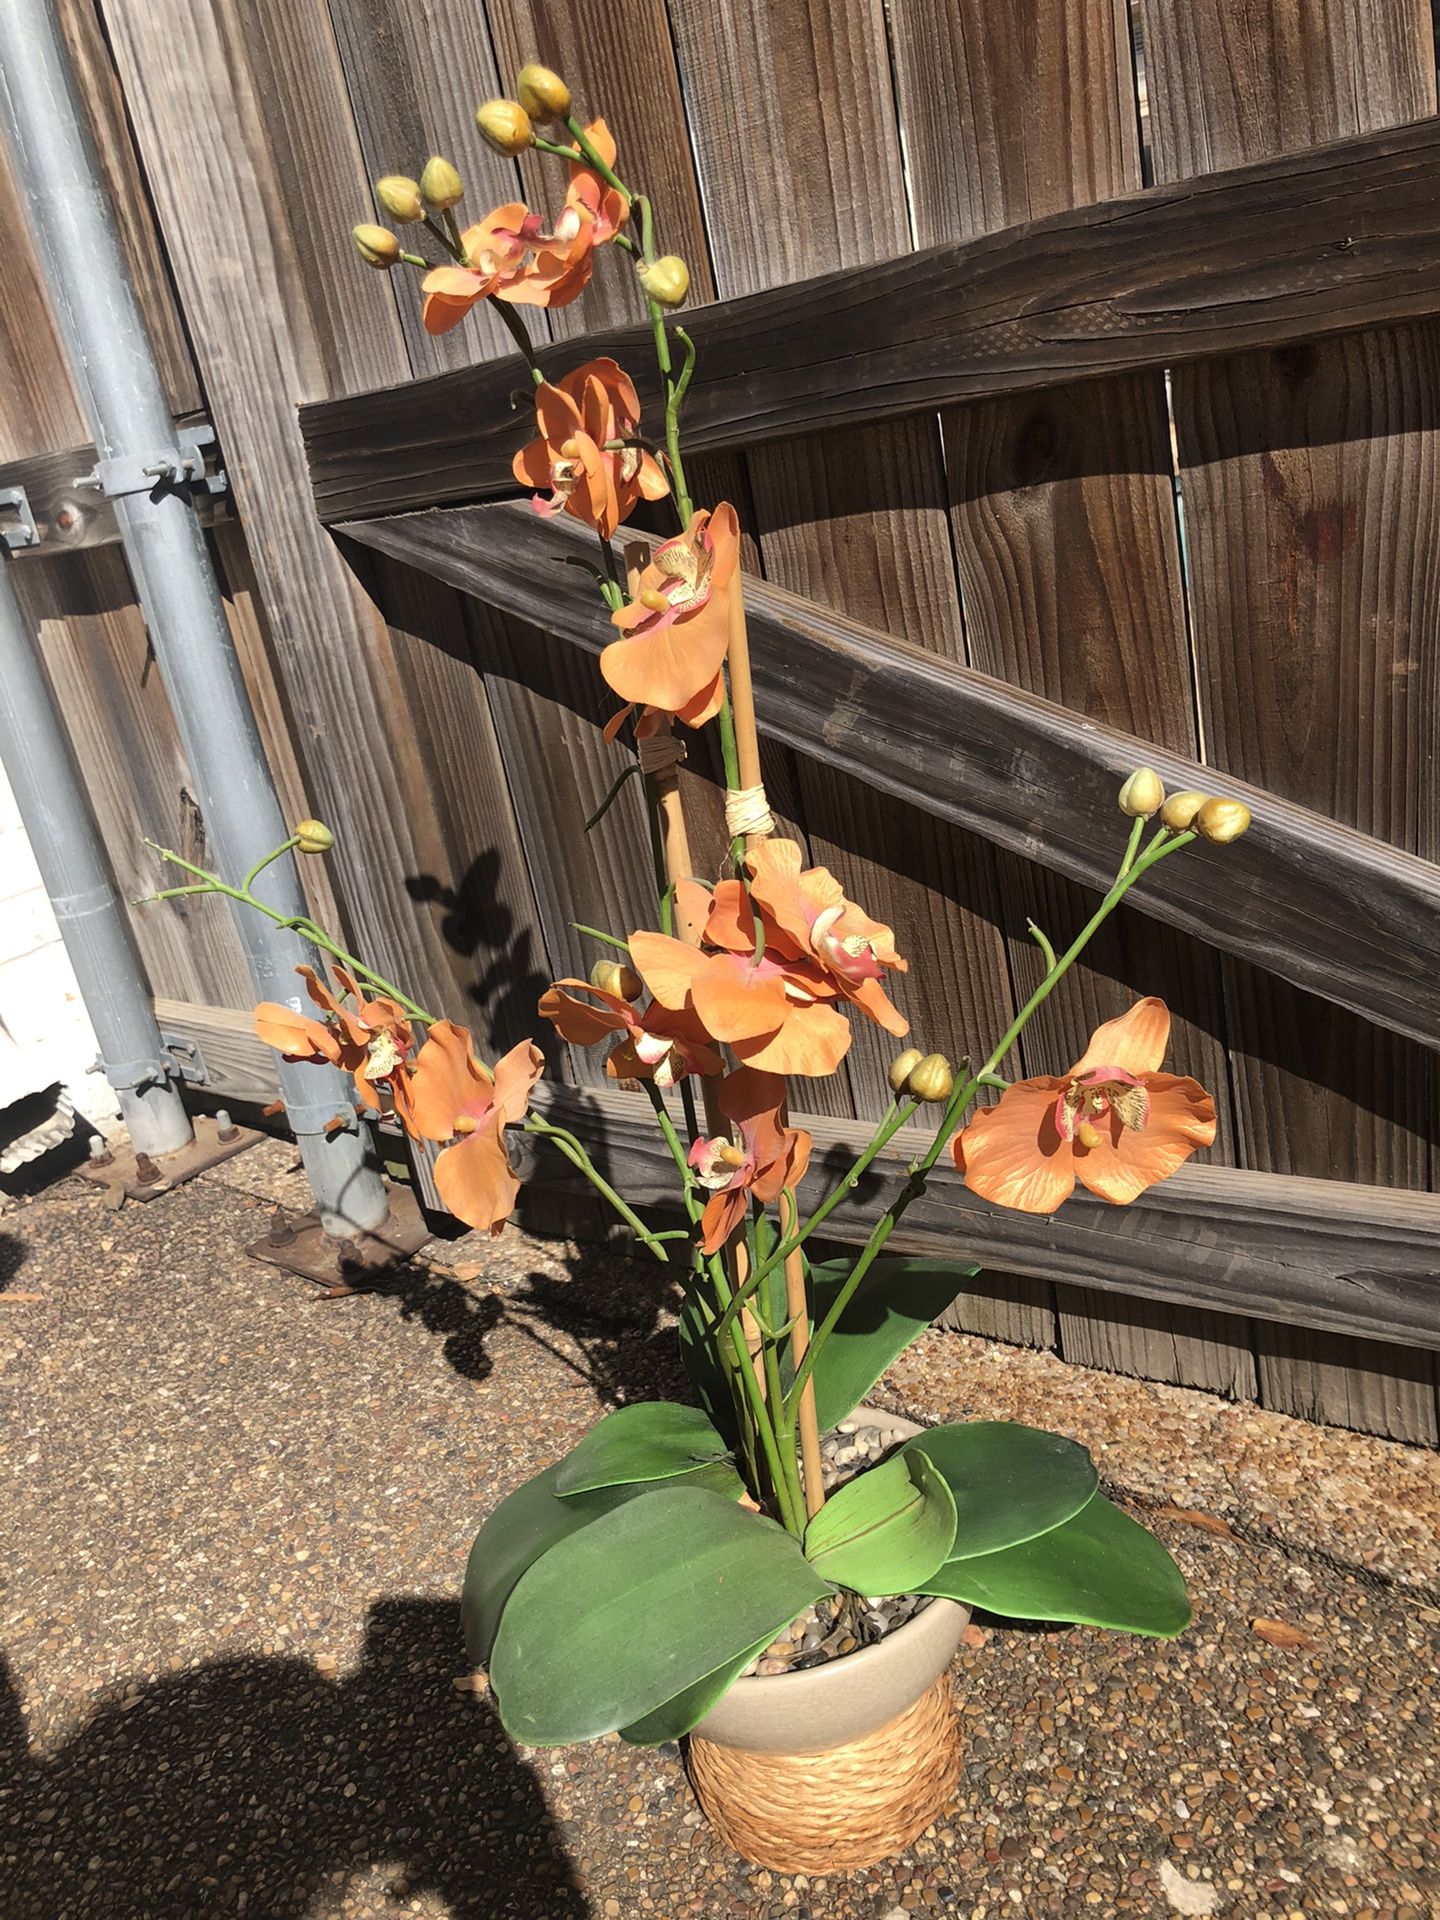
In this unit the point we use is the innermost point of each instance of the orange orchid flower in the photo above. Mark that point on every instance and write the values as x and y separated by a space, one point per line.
497 255
806 913
1114 1122
453 1097
657 1045
677 627
581 420
371 1039
768 1158
774 1013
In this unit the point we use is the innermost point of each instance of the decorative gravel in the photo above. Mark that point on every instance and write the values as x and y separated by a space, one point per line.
233 1520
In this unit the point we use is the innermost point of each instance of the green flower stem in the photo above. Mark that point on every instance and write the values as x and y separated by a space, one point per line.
594 933
414 259
516 329
889 1127
572 154
299 923
784 1436
738 1362
452 247
259 867
1131 870
663 887
575 1153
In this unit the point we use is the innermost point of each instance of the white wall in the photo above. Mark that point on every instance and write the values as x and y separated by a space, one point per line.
40 1004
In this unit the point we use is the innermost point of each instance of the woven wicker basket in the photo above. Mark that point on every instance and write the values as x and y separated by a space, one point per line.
842 1765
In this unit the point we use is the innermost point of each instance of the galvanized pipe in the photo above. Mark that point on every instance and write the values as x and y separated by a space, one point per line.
35 752
110 356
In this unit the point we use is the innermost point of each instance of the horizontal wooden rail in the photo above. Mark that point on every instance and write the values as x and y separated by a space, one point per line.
1318 1253
1324 241
1338 913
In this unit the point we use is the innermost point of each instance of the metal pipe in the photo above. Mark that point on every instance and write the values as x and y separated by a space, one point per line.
36 754
142 470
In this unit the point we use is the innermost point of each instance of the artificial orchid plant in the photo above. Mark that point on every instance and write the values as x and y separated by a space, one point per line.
709 1523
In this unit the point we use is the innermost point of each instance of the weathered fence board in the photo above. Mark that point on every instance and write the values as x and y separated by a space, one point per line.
1314 902
1310 483
1321 242
1064 524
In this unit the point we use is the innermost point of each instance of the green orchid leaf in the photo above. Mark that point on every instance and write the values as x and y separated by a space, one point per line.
1098 1569
687 1709
1010 1482
706 1375
885 1531
638 1607
653 1440
893 1305
525 1524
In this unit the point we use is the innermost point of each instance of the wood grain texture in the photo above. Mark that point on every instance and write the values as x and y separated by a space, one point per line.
1316 903
415 77
91 636
264 80
1064 525
1326 241
1358 1261
38 408
70 519
1310 486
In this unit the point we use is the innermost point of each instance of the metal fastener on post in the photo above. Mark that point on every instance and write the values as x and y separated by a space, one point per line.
56 169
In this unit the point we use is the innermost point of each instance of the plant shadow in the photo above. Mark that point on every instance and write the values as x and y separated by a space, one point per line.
259 1786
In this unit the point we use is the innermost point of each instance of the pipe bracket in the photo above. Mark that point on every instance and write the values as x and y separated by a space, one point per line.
166 470
182 1060
24 532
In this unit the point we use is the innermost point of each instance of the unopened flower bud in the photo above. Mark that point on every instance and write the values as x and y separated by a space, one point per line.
440 184
613 976
506 125
542 93
314 836
1143 794
1222 820
932 1080
400 197
1181 808
902 1066
666 280
376 244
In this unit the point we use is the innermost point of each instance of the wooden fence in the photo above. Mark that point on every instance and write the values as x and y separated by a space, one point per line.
1075 372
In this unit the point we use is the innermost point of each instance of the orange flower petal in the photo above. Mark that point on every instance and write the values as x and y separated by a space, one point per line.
869 996
774 868
668 967
731 920
734 1001
295 1034
515 1075
1181 1119
723 1213
475 1180
747 1093
1012 1153
1135 1041
812 1042
583 1022
447 1081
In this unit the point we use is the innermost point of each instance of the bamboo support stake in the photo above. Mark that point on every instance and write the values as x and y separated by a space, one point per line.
675 848
747 754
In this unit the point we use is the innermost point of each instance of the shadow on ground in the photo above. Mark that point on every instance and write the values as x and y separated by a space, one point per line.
244 1786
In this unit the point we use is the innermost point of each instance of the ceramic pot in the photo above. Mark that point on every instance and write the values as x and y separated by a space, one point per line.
837 1766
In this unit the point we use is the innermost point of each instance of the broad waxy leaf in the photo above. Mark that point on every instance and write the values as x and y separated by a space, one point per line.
885 1531
525 1525
687 1709
1099 1569
653 1440
639 1606
893 1305
1010 1482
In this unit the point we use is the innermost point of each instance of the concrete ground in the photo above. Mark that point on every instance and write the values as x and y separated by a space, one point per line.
233 1521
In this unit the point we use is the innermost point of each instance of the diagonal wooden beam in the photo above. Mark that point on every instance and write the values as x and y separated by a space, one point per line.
1325 241
1340 914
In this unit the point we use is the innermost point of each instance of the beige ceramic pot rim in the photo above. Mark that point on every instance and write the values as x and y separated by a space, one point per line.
823 1707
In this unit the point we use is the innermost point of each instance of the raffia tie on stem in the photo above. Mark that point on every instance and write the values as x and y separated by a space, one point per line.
660 753
747 814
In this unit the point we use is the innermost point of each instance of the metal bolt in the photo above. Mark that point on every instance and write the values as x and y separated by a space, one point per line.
281 1232
225 1127
348 1254
146 1171
100 1154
